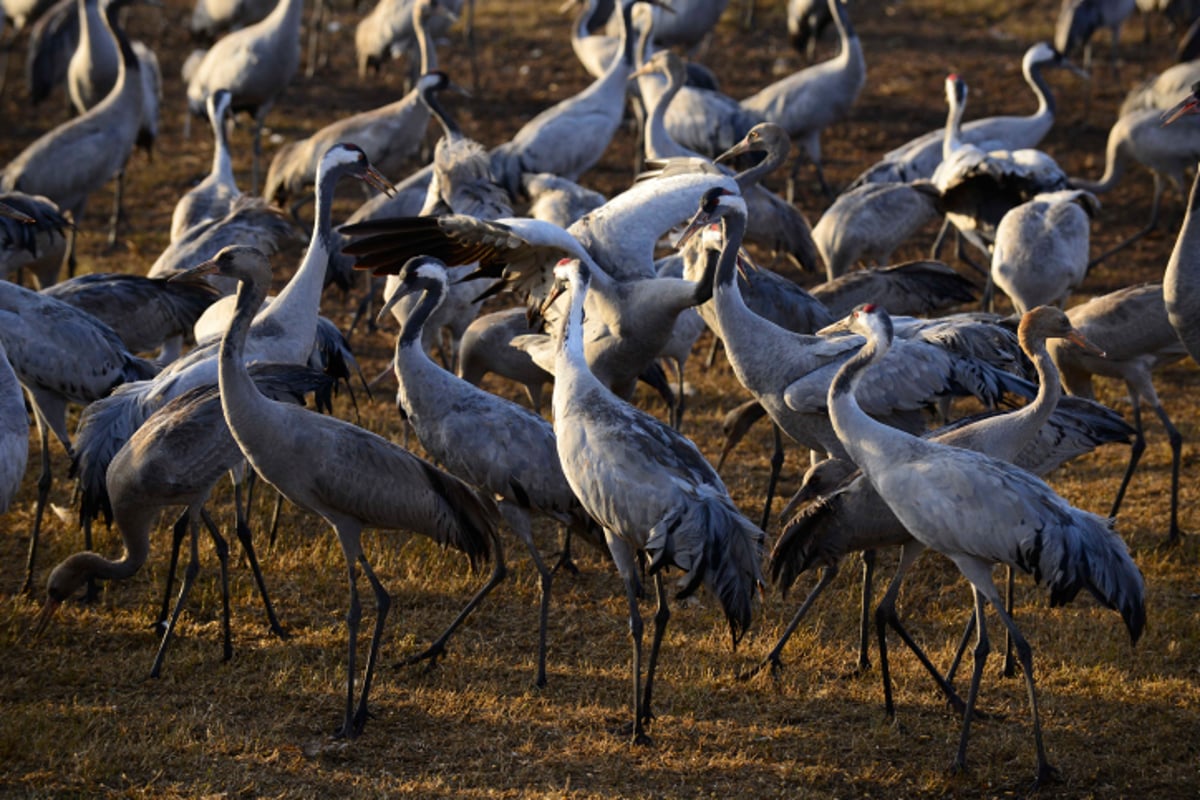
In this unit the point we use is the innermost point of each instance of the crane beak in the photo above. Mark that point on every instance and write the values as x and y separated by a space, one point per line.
1187 105
8 211
374 178
390 304
741 147
560 288
1079 340
644 69
44 616
694 226
198 271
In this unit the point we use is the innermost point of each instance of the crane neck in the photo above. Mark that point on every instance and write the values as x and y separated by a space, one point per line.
845 28
751 176
657 141
1188 241
1041 89
425 45
238 392
570 360
73 572
863 437
222 163
1027 421
627 42
952 139
413 327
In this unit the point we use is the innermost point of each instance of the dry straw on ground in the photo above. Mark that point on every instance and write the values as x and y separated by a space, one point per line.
82 718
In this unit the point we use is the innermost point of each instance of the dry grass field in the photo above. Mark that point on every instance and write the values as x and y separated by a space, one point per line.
81 717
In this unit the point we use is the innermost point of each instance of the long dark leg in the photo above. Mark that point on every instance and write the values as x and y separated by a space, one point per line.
353 617
518 520
885 616
1135 452
565 559
438 648
864 624
635 634
118 199
968 630
1010 587
939 240
773 658
1025 655
1176 441
189 577
776 468
276 516
244 537
178 531
383 603
982 648
43 487
662 614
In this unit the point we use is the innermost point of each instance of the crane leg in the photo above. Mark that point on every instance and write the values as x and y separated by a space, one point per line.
189 577
962 648
314 38
383 603
114 222
518 520
438 648
662 614
353 617
1176 441
982 648
1135 454
276 516
776 468
565 560
938 241
178 531
635 633
773 659
222 548
243 534
885 615
1010 668
43 494
1045 772
864 626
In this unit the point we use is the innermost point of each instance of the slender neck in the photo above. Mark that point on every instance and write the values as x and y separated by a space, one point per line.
135 535
424 41
222 163
844 28
952 139
625 14
1041 89
238 392
1029 419
429 97
1188 241
570 337
751 176
413 327
658 142
309 280
863 437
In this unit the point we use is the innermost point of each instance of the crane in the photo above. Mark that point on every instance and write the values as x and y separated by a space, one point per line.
1012 518
364 479
212 198
652 492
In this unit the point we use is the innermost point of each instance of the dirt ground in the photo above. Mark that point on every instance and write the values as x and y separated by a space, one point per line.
81 718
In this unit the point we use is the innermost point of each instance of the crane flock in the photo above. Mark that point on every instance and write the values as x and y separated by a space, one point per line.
590 300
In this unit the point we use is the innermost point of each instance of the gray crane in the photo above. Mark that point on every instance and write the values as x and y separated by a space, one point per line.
390 135
870 221
919 157
1079 19
255 64
1132 327
147 313
33 237
14 433
1166 150
788 372
176 459
1162 91
810 100
22 13
1041 250
844 514
553 198
485 440
284 333
1181 279
978 187
61 355
52 41
212 17
365 480
71 161
568 138
409 27
1012 518
487 348
212 198
653 493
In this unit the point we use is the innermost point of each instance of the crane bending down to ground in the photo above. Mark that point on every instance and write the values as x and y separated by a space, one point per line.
654 494
1012 518
176 459
364 480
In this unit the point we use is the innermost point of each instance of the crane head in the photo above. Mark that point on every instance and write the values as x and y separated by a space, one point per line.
1188 105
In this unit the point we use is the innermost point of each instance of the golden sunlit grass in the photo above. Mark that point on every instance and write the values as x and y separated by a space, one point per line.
81 717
